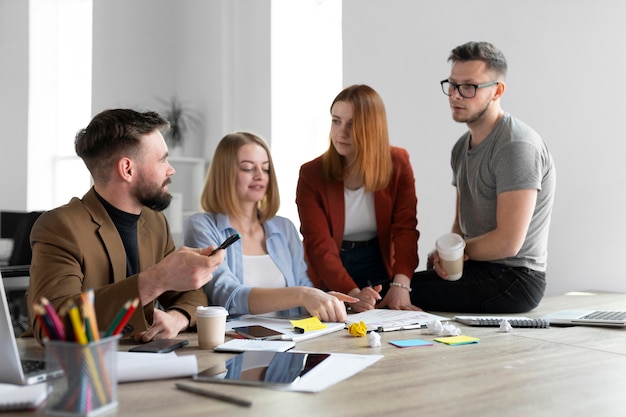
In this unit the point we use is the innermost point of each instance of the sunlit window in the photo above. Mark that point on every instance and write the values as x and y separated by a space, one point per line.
59 99
306 77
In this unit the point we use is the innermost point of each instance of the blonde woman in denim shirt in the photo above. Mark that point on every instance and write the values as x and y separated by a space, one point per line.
264 272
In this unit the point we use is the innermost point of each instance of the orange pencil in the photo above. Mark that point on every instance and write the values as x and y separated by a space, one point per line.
89 315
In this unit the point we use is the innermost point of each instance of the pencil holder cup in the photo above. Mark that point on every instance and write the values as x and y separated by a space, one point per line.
89 384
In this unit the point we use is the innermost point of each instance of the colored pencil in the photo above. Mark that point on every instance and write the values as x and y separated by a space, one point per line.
127 315
77 325
58 323
118 318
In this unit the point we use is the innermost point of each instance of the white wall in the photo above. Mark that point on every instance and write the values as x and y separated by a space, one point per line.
566 70
13 103
215 55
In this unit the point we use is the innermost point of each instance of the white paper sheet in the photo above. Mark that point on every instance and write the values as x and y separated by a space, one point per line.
136 366
334 369
390 320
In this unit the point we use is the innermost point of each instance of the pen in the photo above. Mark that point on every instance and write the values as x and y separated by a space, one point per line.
215 395
232 239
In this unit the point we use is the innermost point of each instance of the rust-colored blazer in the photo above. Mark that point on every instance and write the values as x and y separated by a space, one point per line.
322 218
77 247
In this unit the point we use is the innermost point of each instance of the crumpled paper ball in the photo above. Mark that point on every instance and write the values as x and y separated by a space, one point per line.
374 339
358 329
436 328
505 327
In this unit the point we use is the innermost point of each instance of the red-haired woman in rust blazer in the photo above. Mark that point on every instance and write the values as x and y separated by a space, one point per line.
358 208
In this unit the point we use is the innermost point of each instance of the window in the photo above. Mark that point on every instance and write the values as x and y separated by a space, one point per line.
59 99
306 77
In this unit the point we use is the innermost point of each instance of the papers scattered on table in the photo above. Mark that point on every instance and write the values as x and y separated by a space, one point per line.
284 326
384 320
243 345
22 397
134 366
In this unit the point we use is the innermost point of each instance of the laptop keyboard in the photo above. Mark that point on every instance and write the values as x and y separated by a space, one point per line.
32 366
605 315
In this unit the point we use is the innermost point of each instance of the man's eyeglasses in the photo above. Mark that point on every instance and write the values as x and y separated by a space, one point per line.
465 90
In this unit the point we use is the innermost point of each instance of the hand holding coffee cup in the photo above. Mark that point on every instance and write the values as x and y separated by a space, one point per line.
451 251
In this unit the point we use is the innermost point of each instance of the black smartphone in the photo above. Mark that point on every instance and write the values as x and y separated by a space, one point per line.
258 332
231 239
160 346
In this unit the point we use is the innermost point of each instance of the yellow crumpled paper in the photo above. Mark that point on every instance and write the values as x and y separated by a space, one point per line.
358 329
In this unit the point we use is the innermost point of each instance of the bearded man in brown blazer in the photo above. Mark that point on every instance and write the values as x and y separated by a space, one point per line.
115 240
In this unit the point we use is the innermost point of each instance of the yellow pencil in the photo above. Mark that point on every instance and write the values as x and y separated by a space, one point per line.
79 331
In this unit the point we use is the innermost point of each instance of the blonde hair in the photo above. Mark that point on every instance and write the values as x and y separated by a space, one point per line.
219 192
370 138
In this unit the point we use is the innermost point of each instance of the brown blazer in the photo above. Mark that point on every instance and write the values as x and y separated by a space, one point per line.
77 247
322 218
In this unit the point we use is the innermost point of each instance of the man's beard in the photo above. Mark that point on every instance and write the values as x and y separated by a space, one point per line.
476 116
153 196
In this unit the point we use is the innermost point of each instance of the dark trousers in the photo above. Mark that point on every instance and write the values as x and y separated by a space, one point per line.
365 265
485 287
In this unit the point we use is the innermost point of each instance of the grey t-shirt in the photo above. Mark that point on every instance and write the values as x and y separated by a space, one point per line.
512 157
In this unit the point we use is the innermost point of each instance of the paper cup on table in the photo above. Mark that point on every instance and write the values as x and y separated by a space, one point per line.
89 384
211 324
451 250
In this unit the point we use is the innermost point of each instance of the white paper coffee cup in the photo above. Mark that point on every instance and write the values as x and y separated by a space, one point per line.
211 324
451 250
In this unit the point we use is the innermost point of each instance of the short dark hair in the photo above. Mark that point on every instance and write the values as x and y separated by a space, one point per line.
480 51
112 134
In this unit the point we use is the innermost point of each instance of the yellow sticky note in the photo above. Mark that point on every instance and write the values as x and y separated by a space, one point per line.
456 340
307 325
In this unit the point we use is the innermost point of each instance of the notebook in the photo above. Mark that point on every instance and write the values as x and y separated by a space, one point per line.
614 318
14 370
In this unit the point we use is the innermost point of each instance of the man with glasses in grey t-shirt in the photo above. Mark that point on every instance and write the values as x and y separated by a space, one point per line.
505 180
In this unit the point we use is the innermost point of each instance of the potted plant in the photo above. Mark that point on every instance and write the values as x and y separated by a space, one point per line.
181 119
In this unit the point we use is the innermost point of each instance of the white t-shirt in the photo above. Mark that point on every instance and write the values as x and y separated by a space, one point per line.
261 271
360 223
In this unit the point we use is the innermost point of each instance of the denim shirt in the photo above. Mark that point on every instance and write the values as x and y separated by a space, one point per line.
226 288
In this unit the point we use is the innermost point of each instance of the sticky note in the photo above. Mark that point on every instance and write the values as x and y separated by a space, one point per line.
410 343
456 340
307 325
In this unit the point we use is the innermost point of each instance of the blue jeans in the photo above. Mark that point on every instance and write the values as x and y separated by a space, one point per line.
365 264
485 287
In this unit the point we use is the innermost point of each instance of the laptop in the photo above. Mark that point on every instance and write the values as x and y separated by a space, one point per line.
14 370
609 318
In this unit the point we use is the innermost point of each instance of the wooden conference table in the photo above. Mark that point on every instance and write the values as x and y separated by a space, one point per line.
560 371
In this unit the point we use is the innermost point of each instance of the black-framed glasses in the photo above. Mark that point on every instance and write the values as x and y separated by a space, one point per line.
465 90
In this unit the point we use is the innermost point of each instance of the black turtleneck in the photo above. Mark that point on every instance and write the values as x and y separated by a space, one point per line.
126 224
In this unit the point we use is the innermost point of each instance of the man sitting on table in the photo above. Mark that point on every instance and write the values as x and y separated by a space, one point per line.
115 240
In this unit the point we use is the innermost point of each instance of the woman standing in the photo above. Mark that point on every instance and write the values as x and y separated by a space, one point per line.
358 208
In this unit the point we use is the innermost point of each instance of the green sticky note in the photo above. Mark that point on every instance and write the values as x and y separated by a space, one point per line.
456 340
